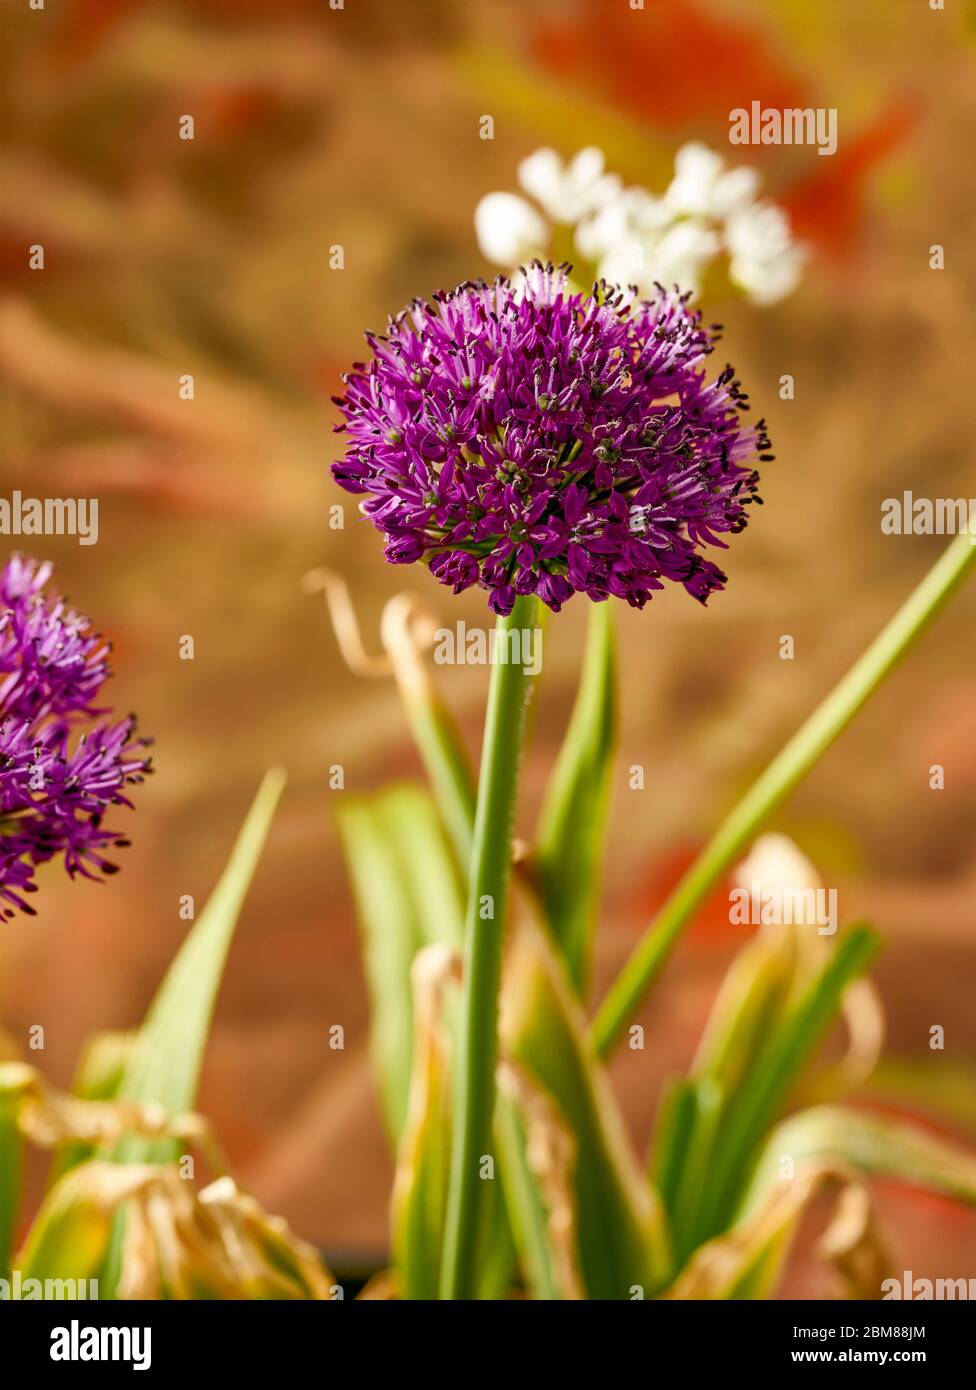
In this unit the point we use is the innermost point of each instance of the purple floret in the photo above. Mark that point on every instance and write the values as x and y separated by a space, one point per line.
61 766
536 440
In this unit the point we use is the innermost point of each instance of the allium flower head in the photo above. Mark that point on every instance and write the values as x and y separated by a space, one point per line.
61 766
537 440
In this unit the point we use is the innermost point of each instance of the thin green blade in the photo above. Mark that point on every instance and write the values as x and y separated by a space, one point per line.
573 817
165 1066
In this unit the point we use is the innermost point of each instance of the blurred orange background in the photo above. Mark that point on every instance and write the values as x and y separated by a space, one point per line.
360 127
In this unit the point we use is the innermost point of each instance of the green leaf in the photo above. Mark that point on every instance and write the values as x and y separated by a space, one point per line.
407 896
420 1183
446 764
820 1147
781 777
525 1203
11 1178
745 1012
672 1135
574 813
539 1178
696 1163
103 1064
71 1235
872 1144
165 1065
623 1239
764 1089
98 1077
15 1077
390 939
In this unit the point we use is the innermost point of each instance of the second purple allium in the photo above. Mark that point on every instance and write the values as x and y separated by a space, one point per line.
61 765
536 440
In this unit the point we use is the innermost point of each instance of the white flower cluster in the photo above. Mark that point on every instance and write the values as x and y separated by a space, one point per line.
633 237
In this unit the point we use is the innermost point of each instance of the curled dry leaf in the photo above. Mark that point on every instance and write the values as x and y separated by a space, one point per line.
746 1262
345 624
48 1117
178 1243
407 629
264 1244
853 1244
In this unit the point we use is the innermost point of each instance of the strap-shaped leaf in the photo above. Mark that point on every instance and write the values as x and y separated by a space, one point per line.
164 1068
707 1097
746 1010
165 1065
420 1184
623 1241
14 1078
528 1214
407 896
753 1107
672 1134
574 813
546 1171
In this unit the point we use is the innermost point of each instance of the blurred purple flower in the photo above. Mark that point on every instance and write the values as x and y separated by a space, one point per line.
59 771
538 440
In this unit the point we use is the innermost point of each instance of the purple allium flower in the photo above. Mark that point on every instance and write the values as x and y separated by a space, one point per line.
59 770
536 440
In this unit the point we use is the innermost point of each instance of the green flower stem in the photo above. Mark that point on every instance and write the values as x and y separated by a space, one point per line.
781 778
483 936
